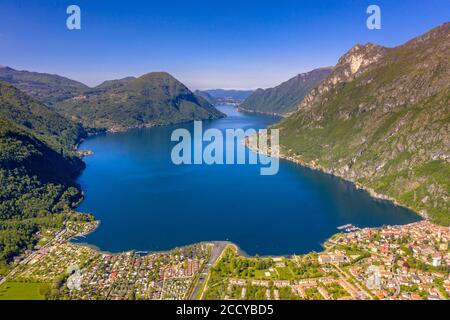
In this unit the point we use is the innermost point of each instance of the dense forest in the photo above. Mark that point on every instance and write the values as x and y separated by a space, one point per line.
155 98
38 165
285 98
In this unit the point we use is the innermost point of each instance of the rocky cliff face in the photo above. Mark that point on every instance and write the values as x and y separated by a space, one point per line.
382 120
357 60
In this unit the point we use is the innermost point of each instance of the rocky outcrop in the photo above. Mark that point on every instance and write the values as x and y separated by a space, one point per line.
381 119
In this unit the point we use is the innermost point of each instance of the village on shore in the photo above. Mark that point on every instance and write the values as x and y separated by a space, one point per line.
409 262
393 262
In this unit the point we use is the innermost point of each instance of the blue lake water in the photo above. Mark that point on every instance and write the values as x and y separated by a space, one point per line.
147 203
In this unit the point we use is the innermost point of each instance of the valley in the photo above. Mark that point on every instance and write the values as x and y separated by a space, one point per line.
93 207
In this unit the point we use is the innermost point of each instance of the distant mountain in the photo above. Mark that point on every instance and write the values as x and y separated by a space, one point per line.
286 97
155 98
38 167
205 95
46 88
382 120
227 96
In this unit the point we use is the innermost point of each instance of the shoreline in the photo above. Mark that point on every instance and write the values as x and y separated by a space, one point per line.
281 115
118 129
241 252
370 191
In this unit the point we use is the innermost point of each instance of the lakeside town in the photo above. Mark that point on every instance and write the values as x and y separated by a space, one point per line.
392 262
64 270
408 262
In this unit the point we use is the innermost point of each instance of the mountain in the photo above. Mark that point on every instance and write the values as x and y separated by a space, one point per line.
285 98
155 98
46 88
382 119
205 95
43 121
223 96
38 166
114 84
152 99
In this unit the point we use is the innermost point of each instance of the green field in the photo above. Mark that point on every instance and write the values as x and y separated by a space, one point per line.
20 291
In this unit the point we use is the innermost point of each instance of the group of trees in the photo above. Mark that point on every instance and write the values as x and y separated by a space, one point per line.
15 236
237 266
155 98
19 234
37 170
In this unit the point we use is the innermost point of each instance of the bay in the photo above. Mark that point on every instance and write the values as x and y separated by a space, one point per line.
147 203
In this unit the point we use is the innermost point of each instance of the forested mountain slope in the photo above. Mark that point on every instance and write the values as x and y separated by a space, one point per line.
46 88
285 98
38 166
155 98
382 120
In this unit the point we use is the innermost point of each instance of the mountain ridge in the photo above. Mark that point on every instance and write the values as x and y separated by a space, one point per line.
284 98
38 167
155 98
381 119
44 87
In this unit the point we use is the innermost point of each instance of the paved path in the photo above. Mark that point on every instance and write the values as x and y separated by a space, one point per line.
216 252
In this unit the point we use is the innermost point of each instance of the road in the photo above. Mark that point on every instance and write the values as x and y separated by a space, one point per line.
216 252
356 284
32 255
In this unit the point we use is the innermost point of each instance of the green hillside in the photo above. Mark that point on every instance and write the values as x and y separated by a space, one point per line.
46 88
286 97
44 122
205 95
113 84
382 119
153 99
37 169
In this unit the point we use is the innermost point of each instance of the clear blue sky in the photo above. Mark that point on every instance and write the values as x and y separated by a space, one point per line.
205 44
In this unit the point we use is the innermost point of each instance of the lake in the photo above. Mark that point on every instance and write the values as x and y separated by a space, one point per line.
147 203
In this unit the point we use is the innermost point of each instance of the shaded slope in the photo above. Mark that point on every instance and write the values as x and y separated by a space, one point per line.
285 98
